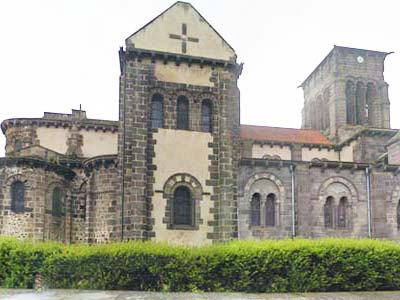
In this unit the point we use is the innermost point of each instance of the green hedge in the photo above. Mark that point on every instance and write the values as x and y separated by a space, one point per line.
242 266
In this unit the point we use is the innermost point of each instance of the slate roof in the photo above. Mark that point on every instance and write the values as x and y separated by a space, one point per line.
283 135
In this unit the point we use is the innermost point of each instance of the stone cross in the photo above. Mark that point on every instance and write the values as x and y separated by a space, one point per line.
184 38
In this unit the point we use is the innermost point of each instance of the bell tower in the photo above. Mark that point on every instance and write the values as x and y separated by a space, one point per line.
346 92
178 142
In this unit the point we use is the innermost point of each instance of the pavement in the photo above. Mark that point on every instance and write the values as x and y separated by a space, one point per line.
14 294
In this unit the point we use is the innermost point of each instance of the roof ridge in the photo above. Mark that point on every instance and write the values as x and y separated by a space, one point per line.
266 126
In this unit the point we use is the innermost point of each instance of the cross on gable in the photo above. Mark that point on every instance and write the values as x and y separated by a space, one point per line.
184 38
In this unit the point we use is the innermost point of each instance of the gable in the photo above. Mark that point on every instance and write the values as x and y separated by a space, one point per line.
182 30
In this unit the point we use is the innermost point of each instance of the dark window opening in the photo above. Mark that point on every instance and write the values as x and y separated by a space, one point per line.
342 222
328 212
350 103
182 121
206 116
270 210
255 210
57 199
17 197
18 145
360 104
157 111
182 207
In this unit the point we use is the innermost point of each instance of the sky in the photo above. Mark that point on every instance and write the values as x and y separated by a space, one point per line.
58 54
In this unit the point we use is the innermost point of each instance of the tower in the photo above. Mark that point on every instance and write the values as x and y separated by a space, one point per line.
179 128
347 92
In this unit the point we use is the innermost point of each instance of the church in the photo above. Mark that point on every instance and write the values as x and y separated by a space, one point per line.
178 166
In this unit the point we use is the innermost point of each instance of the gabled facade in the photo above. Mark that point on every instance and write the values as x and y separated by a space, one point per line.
179 167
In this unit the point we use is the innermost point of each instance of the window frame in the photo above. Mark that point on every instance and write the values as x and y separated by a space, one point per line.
253 211
157 121
16 206
182 116
192 215
207 103
60 200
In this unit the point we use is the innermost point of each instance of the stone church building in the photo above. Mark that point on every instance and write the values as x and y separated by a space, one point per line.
179 167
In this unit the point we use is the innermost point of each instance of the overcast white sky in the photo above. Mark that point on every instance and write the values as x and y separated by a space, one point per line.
55 55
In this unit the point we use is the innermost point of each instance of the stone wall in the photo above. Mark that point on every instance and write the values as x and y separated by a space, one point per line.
35 221
313 185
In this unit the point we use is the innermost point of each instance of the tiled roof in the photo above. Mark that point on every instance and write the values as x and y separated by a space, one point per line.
278 134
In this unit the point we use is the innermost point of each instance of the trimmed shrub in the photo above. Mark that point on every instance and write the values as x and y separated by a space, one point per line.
240 266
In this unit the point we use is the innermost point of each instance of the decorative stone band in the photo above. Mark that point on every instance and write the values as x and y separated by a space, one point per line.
85 124
321 164
94 163
37 163
135 53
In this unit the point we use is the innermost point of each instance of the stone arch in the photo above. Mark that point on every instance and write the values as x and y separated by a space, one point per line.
326 114
198 100
350 102
7 187
54 226
152 93
343 195
341 180
371 105
196 191
275 187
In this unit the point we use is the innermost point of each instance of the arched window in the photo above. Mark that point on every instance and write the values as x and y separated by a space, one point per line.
320 113
370 95
157 111
326 116
350 103
328 212
182 207
398 215
57 199
360 103
313 116
206 115
341 212
17 196
182 111
18 145
255 210
270 210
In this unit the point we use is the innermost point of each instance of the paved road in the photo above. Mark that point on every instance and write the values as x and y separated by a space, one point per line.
6 294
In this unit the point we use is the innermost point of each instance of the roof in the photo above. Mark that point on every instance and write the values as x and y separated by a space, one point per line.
283 135
169 8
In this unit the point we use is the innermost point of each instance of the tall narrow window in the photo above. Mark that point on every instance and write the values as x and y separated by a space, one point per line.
398 215
56 207
328 212
206 116
360 104
255 210
18 145
350 103
270 210
326 119
341 211
320 113
17 196
313 116
370 95
157 111
182 207
182 112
